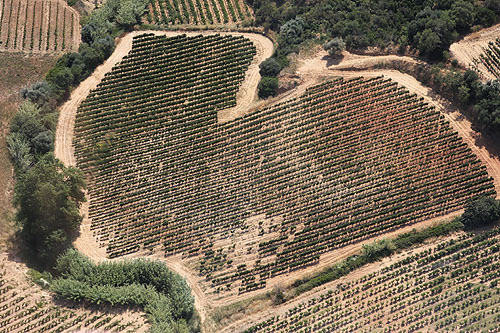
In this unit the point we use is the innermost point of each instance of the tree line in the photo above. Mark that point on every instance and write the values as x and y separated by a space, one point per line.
427 26
48 194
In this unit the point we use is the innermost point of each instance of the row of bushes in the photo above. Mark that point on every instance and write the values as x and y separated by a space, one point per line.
478 212
162 294
44 185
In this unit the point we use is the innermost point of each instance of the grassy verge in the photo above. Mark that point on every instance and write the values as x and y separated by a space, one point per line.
373 252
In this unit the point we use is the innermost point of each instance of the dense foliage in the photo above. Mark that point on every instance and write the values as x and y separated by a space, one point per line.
466 89
48 196
481 212
429 26
31 135
268 87
164 295
335 47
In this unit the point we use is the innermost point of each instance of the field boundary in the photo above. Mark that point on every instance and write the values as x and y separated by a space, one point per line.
245 100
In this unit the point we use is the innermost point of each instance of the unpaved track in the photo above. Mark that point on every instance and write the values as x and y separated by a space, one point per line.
64 149
469 48
281 310
311 72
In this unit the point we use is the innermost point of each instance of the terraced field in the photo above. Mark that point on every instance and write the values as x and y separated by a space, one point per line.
489 60
38 26
271 192
450 287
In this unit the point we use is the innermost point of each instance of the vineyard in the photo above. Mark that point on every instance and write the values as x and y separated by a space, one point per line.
270 192
490 59
450 287
38 26
24 308
197 12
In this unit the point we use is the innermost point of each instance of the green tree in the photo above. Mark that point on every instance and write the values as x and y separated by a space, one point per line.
48 197
268 86
130 12
60 80
335 47
463 13
269 67
428 43
19 151
480 212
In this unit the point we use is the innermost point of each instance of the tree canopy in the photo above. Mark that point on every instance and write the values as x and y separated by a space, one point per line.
335 47
268 86
481 212
163 294
48 197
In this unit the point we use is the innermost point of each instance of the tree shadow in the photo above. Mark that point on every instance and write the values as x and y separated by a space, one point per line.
332 61
481 230
489 142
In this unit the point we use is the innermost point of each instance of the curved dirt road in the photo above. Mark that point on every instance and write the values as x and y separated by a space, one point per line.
311 71
471 47
64 149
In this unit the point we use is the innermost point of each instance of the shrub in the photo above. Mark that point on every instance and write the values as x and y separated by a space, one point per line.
334 47
268 86
480 212
270 67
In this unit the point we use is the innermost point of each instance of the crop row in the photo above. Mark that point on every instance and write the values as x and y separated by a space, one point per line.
348 160
450 287
490 58
197 12
37 26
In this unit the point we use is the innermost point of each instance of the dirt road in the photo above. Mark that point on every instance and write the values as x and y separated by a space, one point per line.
311 71
469 48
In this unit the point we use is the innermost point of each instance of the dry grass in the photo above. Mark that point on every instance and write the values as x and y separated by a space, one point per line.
16 72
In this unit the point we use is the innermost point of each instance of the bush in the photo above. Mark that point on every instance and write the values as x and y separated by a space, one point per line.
335 47
270 67
163 294
48 197
481 211
378 249
268 86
